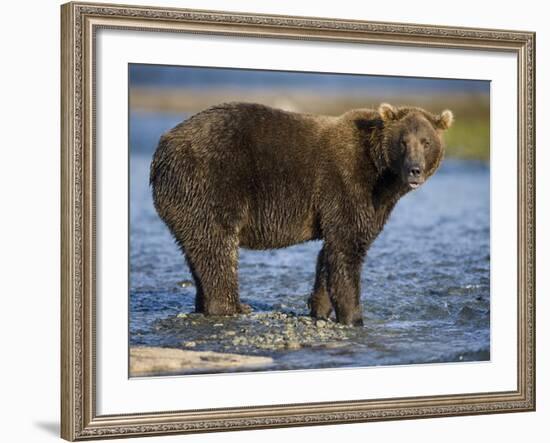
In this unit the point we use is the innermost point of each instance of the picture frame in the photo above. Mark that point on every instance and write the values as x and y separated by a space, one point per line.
80 23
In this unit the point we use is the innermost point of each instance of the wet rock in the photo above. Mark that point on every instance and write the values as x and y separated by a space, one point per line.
334 345
467 314
185 284
292 345
239 341
190 344
147 361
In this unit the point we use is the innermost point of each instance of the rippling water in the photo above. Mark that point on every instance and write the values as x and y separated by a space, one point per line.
425 282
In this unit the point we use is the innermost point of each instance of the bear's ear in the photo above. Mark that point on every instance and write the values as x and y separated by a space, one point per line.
387 112
445 120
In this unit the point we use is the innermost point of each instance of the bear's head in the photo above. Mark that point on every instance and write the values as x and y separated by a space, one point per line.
412 144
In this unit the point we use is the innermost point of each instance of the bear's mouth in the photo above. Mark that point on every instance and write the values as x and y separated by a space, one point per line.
413 184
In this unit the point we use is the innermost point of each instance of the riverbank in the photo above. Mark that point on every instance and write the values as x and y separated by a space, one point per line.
150 361
468 138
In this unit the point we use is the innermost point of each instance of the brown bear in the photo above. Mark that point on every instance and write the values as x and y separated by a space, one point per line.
251 176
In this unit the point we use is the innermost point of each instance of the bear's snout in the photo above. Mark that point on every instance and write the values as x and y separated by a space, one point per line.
414 171
414 174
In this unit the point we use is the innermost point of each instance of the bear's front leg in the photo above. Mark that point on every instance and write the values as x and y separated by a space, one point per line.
344 276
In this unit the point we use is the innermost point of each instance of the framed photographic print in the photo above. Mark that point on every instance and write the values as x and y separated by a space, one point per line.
282 221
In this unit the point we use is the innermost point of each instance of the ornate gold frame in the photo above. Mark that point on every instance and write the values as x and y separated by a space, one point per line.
79 22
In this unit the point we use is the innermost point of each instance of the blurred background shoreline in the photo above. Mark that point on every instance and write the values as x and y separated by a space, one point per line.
185 91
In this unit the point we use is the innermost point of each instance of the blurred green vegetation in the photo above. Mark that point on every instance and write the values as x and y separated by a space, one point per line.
468 138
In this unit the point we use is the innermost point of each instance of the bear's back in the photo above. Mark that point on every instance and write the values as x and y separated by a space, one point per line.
235 132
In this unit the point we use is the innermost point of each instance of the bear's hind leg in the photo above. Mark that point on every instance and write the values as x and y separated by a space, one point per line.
319 301
199 296
215 268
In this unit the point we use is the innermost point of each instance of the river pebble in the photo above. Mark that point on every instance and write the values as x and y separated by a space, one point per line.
257 332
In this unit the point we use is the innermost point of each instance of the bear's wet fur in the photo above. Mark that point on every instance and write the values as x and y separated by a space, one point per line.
247 175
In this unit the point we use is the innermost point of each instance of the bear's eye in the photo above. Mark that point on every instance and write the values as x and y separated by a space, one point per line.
425 142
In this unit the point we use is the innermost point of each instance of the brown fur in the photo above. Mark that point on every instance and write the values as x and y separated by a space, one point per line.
248 175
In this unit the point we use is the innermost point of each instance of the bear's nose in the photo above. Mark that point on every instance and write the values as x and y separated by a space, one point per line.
414 171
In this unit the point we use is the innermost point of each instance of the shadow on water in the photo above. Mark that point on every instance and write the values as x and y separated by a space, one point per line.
425 282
